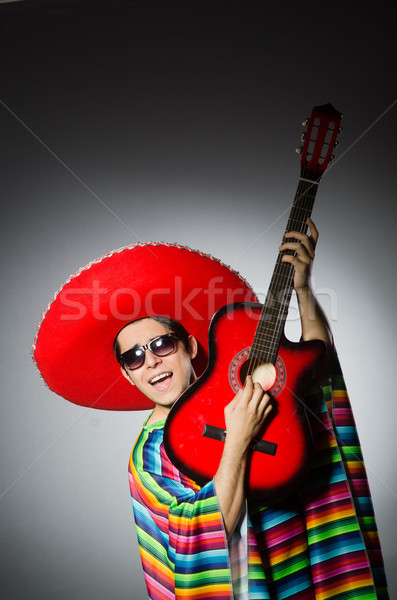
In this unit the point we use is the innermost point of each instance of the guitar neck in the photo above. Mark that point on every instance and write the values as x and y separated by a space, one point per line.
275 310
323 127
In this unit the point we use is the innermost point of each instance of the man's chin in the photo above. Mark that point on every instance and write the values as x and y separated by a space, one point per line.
162 400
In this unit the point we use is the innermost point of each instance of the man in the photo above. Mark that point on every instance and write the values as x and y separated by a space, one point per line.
206 542
164 379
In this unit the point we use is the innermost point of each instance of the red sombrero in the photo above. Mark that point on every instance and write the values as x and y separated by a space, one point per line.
73 347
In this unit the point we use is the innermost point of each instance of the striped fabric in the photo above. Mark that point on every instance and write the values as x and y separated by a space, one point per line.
320 544
342 418
179 526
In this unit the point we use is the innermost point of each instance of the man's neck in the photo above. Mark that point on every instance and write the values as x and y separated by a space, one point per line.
159 414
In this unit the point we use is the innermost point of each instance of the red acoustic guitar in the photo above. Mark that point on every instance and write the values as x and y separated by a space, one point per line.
249 339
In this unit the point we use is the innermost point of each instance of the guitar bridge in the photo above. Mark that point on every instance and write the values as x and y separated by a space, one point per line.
217 433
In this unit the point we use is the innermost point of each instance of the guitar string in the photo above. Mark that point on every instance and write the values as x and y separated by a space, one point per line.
282 277
302 207
256 359
275 334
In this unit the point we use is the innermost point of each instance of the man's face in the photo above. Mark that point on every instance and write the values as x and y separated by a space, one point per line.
161 379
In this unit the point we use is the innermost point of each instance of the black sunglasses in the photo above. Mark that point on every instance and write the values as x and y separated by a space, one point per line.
160 346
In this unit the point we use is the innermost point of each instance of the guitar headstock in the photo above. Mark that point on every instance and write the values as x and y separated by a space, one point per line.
323 127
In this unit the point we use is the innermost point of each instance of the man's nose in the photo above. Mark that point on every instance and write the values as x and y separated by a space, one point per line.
151 360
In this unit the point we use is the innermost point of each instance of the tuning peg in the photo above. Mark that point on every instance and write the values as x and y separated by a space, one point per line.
303 136
340 129
336 143
299 150
332 158
305 122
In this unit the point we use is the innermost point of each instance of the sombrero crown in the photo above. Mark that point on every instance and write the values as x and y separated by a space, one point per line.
73 347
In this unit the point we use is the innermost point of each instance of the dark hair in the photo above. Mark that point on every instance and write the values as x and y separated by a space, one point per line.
172 325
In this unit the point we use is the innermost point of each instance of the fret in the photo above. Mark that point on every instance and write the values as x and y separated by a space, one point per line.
264 336
271 320
269 356
262 348
309 180
280 286
263 341
258 351
304 207
305 195
301 218
271 315
300 211
275 308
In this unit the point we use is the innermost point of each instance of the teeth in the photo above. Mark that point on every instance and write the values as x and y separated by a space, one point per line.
159 377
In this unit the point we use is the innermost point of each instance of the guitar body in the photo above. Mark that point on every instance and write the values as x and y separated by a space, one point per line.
270 474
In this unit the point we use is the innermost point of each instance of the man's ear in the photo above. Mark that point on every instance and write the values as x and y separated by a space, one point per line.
192 346
126 375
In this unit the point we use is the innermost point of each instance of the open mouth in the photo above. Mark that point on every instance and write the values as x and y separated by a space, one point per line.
161 380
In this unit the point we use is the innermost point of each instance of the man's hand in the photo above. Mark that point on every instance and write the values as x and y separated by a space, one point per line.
304 249
245 414
313 320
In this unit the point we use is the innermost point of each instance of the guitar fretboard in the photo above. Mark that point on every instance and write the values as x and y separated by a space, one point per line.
316 153
275 310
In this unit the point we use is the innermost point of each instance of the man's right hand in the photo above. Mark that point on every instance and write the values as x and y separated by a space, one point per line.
246 413
245 416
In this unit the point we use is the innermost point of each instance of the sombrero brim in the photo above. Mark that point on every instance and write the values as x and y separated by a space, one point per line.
73 347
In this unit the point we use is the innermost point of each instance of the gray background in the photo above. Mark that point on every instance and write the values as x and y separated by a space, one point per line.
133 121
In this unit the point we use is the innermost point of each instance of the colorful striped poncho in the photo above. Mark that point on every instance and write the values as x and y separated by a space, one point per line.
320 544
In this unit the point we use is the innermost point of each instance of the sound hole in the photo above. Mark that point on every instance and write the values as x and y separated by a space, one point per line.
269 376
263 373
